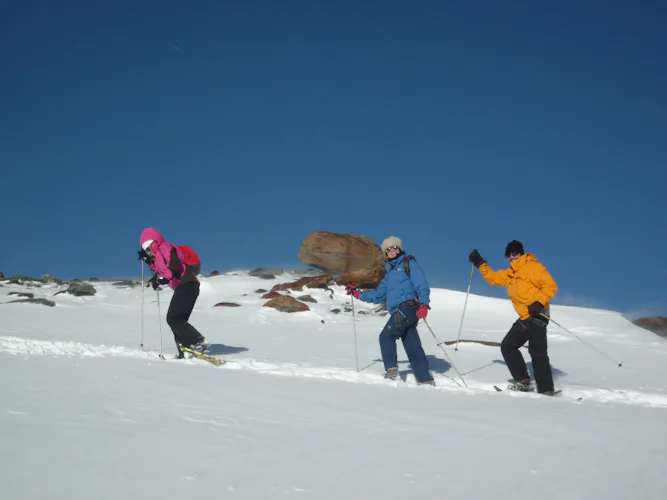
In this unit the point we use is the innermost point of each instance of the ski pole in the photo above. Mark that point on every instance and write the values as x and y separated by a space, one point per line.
581 340
142 304
458 338
445 352
159 321
354 327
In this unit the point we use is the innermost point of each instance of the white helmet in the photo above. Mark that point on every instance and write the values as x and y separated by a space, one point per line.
146 245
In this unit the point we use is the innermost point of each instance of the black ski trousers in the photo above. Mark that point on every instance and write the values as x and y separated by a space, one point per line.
179 312
534 331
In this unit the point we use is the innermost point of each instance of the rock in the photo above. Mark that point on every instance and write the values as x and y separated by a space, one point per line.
227 304
314 282
271 295
49 278
260 272
287 304
2 276
94 279
20 294
213 273
339 253
655 324
81 289
307 298
307 272
335 311
261 290
20 278
44 302
126 284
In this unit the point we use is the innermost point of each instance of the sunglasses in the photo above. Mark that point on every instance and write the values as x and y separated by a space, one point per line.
389 249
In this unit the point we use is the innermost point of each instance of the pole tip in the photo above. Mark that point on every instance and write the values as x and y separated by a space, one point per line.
620 365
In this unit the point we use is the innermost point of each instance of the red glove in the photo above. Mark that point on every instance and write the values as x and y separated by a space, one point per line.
422 311
352 290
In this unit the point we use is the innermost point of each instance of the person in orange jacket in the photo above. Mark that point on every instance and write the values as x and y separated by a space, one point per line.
530 288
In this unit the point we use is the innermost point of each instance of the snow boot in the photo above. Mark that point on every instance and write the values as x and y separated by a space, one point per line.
427 382
392 373
200 345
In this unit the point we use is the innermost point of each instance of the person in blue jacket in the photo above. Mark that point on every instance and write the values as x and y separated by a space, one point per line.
406 292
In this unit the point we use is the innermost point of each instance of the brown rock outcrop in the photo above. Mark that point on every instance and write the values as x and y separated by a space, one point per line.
287 304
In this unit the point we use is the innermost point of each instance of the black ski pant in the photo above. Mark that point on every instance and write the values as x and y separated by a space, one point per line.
179 312
534 331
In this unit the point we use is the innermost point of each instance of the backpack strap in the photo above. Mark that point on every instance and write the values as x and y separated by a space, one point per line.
406 264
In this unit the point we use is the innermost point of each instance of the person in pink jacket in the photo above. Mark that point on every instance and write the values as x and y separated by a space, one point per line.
168 263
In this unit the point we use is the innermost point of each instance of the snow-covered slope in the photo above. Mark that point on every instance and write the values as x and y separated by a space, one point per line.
87 413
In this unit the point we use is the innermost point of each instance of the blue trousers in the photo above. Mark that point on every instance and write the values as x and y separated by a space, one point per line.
403 325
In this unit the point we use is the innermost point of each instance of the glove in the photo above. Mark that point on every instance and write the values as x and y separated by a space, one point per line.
352 290
422 311
476 258
535 308
145 257
156 281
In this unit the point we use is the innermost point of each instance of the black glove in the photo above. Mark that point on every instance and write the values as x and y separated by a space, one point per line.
156 281
148 259
535 308
476 258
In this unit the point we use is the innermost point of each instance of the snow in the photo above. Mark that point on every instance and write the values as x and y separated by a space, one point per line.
86 413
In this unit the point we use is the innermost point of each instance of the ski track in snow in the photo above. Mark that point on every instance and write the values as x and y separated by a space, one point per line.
27 347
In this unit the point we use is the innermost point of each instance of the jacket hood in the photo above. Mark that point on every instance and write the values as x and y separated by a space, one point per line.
151 233
392 264
522 261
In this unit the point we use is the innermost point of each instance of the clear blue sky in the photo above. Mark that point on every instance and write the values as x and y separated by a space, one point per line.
240 127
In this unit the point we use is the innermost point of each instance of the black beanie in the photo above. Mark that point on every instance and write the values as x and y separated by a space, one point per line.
513 247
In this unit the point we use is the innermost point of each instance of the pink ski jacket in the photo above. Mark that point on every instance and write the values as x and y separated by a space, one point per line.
168 261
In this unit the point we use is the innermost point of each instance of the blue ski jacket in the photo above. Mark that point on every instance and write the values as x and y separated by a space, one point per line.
397 287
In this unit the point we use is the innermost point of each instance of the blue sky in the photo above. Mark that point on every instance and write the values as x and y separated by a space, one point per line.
241 127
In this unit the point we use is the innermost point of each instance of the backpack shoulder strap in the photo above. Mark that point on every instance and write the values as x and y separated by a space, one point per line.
406 264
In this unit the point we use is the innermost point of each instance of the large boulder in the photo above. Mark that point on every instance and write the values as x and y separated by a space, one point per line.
287 304
339 253
368 278
656 324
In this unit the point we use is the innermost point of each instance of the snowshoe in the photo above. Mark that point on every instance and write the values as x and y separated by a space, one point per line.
521 386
